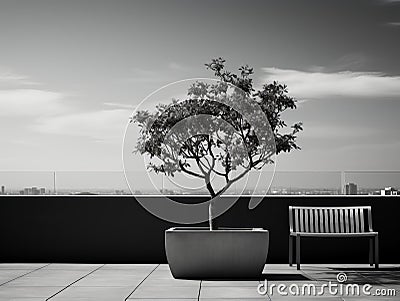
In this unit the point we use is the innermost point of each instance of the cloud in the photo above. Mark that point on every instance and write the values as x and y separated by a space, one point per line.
49 113
162 74
306 85
119 105
29 102
103 125
393 23
19 98
339 131
10 78
176 66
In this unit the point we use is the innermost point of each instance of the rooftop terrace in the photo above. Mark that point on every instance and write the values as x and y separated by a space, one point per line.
113 282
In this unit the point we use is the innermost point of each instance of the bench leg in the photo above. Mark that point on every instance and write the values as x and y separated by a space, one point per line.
376 252
371 251
290 250
298 251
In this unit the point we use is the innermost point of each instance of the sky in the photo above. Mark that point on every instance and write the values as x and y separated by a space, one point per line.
72 72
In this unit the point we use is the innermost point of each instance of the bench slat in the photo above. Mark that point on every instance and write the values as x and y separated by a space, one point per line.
296 220
342 229
337 228
362 219
291 218
326 221
369 219
357 220
346 220
312 220
351 221
321 220
306 220
301 221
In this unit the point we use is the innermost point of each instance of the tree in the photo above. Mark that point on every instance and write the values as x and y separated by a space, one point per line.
215 131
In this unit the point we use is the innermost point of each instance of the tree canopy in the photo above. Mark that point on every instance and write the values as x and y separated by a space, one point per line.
225 128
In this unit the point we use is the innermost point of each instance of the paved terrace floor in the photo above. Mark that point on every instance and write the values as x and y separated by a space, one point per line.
113 282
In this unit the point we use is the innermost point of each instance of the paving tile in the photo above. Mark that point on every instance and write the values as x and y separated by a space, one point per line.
93 293
273 298
231 299
179 292
253 284
74 266
105 280
281 271
48 278
21 299
12 273
299 283
352 277
163 299
163 267
229 292
9 292
21 266
170 282
394 286
126 273
385 288
370 299
161 275
380 277
8 275
130 267
113 282
341 265
313 298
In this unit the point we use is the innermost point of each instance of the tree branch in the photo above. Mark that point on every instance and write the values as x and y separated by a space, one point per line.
183 168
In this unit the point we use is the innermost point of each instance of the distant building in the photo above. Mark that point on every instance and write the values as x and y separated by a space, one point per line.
3 190
390 191
35 191
350 188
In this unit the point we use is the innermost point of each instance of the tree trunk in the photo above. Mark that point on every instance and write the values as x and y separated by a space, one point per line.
211 220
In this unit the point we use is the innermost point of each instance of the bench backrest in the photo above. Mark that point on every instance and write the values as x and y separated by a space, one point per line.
330 219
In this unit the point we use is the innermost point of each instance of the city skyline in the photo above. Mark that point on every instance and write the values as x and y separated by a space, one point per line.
113 183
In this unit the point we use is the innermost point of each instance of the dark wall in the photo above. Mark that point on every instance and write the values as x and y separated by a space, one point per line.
117 229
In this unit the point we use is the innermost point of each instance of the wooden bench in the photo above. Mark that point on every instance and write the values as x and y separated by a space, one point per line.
331 222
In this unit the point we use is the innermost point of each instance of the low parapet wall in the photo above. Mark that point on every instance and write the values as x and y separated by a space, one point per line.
117 229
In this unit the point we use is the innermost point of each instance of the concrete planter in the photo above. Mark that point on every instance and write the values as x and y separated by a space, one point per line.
197 253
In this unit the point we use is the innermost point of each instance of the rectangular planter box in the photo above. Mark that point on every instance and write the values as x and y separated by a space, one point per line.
197 253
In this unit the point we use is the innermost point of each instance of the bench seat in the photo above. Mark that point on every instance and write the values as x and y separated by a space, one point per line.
331 222
334 234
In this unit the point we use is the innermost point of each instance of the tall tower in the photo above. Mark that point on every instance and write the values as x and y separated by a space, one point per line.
351 188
